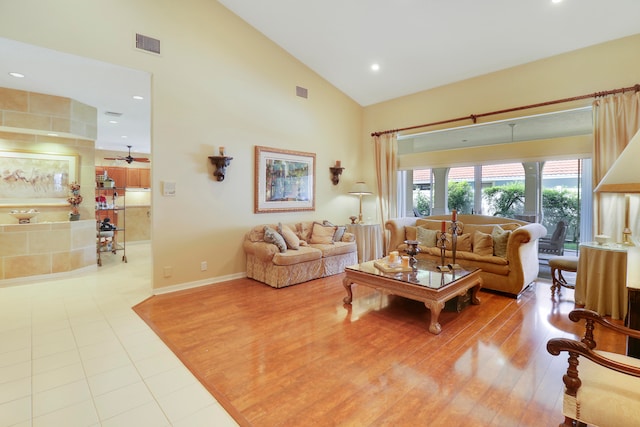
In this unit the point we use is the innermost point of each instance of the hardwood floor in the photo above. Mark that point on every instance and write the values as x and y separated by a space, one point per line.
297 356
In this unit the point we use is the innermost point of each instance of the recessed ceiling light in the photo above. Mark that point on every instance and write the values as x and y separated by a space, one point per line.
137 97
124 137
556 1
113 121
375 67
16 75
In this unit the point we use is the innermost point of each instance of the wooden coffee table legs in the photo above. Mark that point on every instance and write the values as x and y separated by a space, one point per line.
432 299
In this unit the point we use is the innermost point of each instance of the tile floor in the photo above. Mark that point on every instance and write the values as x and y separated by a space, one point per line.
73 353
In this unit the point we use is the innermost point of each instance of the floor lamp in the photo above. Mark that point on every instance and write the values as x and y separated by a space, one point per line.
360 189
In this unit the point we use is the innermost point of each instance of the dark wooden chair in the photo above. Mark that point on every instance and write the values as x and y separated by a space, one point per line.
601 388
554 245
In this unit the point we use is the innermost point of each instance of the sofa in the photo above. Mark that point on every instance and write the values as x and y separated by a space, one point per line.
287 254
505 249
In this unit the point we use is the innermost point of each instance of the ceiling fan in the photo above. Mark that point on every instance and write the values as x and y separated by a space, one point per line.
129 159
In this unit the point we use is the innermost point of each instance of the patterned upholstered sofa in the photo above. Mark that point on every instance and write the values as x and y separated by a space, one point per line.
509 260
311 250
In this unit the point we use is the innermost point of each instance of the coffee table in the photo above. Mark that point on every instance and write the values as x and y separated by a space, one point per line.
425 284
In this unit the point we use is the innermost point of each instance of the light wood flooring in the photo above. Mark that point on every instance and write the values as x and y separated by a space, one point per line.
298 357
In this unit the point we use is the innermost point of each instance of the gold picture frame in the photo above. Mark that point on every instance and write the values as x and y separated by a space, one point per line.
36 179
284 180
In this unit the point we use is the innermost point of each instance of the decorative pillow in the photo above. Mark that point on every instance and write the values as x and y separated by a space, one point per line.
426 237
322 234
272 236
410 232
463 243
289 236
482 243
340 229
500 239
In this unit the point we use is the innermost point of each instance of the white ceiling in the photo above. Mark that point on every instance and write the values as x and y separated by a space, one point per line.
422 44
419 44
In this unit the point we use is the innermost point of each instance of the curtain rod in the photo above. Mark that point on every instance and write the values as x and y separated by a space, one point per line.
474 117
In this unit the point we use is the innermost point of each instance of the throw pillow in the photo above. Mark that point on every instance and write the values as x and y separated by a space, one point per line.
340 230
410 232
272 236
482 243
322 234
500 239
463 243
426 237
289 236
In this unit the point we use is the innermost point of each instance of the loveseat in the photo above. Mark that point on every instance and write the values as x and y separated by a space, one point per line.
505 249
286 254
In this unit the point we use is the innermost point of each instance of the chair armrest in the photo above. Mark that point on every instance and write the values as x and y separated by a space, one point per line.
556 345
592 317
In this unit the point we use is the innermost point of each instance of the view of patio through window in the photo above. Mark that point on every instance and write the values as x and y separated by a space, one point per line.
502 193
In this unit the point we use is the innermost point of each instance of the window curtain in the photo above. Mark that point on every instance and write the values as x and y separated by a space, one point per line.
386 151
617 119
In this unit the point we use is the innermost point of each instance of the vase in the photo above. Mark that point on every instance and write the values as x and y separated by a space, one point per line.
74 217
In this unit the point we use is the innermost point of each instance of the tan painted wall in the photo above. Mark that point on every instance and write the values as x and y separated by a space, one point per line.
607 66
217 82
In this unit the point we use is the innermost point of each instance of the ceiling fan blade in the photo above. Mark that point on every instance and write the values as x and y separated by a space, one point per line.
114 158
141 159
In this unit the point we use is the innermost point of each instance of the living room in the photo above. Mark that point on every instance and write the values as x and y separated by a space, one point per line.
240 92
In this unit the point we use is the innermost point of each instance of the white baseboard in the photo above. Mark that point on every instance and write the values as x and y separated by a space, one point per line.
198 283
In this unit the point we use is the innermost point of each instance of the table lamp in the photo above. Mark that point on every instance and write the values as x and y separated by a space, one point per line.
360 188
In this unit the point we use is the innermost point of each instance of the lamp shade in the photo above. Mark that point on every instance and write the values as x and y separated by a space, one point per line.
624 175
360 188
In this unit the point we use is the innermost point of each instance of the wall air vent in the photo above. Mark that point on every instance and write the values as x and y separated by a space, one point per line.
148 44
302 92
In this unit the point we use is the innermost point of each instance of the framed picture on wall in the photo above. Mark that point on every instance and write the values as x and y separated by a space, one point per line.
36 179
284 180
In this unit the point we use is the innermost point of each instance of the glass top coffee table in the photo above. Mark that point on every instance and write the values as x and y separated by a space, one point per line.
425 284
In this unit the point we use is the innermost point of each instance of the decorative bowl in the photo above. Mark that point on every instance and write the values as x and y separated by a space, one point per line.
24 217
601 239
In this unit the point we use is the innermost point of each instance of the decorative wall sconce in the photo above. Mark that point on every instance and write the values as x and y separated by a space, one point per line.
336 171
220 162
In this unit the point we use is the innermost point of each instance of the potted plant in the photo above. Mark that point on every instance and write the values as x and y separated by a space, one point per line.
74 200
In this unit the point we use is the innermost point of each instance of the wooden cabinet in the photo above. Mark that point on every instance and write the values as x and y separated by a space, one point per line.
127 177
133 177
145 178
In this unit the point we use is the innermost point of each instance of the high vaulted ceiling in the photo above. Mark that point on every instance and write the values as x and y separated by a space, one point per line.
422 44
419 44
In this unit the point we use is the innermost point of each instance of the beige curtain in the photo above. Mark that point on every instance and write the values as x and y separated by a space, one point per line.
386 151
617 119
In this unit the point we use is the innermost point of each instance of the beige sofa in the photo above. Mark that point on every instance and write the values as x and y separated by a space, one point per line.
319 252
510 270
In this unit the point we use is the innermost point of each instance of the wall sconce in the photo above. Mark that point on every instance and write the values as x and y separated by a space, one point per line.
220 162
336 171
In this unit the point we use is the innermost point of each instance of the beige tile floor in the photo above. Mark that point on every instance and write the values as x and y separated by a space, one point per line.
73 353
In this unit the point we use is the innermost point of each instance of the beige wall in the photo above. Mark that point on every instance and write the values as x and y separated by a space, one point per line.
217 82
607 66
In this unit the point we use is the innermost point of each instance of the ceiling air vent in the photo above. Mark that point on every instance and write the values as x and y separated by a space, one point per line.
112 114
302 92
148 44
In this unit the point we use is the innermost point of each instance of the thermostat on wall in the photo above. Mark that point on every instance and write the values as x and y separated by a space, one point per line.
169 188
